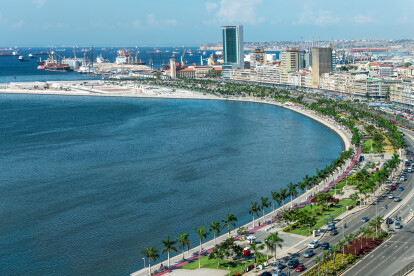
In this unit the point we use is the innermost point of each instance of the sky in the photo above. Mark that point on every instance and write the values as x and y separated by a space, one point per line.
194 22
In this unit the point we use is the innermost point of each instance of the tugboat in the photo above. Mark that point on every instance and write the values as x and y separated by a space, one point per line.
22 59
41 64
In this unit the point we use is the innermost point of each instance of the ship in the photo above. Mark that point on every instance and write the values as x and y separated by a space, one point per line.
31 55
22 59
6 54
54 65
41 64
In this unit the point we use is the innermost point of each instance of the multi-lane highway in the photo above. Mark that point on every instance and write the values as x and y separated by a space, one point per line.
397 249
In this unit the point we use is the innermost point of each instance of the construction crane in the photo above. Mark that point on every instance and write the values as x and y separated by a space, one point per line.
182 58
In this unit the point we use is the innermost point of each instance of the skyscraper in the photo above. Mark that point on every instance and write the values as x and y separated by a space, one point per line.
233 49
321 63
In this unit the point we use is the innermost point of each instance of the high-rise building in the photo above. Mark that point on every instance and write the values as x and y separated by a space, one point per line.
321 63
173 68
233 49
289 62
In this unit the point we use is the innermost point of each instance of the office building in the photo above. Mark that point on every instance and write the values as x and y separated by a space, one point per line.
233 49
321 63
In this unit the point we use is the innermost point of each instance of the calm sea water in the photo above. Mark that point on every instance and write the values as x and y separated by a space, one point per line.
86 183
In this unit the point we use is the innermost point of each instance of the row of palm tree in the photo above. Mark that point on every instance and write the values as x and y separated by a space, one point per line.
169 245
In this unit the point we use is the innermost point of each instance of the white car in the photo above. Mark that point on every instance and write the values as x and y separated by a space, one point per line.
313 244
390 196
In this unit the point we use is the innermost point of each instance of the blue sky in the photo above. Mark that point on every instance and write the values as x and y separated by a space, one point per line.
193 22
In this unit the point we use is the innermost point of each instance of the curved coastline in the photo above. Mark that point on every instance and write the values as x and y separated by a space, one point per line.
339 131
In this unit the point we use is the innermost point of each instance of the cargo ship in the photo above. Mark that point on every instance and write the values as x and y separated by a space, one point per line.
54 65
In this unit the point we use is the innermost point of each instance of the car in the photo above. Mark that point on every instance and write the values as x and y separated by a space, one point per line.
308 253
393 187
325 245
397 199
293 263
409 170
300 268
390 196
279 273
365 219
329 249
331 227
334 232
313 244
389 221
402 178
278 266
266 273
397 225
401 188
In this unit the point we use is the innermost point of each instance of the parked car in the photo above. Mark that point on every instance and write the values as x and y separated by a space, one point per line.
334 232
389 221
393 187
308 253
278 265
331 226
266 273
313 244
390 196
279 273
401 188
300 268
293 263
397 199
325 245
397 225
365 219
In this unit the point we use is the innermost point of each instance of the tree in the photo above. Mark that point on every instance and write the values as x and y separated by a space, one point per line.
202 235
335 248
317 260
253 210
215 228
301 187
292 192
183 241
263 204
276 242
256 250
242 231
168 246
229 220
341 245
283 195
364 231
276 198
218 254
152 254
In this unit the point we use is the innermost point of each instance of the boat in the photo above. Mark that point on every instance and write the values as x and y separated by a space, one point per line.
15 53
6 54
41 65
54 65
100 59
22 59
31 55
41 53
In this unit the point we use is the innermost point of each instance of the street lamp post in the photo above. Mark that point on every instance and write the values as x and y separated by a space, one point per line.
144 263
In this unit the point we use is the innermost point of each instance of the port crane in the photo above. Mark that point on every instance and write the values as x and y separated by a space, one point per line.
182 58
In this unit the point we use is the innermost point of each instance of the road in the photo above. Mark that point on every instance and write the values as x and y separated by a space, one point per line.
397 251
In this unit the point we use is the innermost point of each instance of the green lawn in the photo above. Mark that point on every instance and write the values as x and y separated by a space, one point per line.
366 146
335 210
237 266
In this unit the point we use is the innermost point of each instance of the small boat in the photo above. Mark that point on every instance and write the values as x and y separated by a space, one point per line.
31 55
22 59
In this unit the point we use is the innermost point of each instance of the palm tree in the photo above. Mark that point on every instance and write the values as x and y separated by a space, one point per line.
263 204
283 195
152 254
217 253
325 258
335 248
317 260
256 250
253 210
215 228
301 187
276 198
202 235
183 241
276 242
292 192
168 246
229 220
364 231
341 244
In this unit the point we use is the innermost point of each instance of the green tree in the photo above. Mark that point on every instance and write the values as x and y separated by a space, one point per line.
215 228
229 220
253 210
256 250
183 241
264 203
276 242
151 253
202 235
292 192
168 246
283 195
218 254
276 198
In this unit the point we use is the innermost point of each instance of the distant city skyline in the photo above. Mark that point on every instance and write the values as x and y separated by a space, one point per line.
192 23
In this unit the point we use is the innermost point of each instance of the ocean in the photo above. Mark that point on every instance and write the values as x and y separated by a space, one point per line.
88 182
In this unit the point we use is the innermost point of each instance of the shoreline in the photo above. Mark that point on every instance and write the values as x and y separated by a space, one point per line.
185 94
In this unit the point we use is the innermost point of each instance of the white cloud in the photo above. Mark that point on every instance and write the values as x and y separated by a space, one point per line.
210 6
18 24
152 21
319 18
363 19
39 3
235 12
